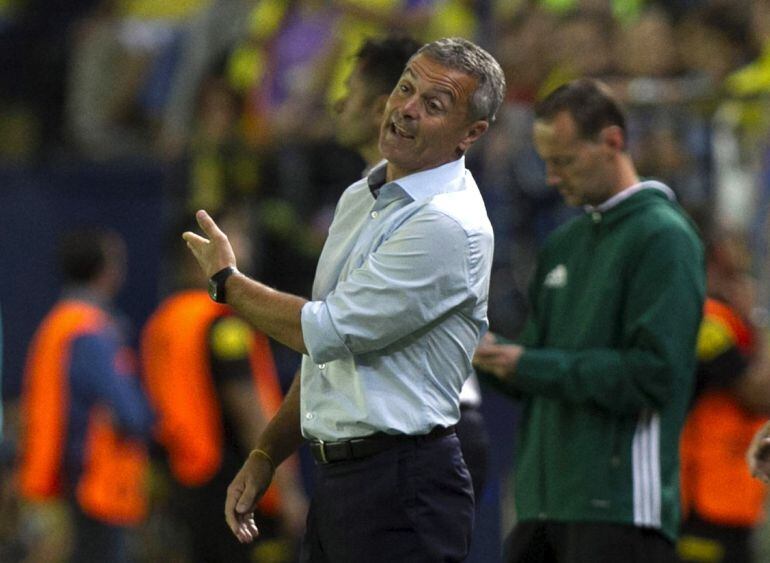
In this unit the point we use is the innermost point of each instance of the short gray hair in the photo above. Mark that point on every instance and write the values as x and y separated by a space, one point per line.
467 57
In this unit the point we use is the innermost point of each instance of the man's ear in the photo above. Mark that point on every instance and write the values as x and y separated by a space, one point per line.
473 134
612 137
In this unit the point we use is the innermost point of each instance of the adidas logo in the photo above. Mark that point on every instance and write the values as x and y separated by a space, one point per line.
556 277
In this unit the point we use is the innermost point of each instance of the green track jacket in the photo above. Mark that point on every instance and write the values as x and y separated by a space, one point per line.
607 373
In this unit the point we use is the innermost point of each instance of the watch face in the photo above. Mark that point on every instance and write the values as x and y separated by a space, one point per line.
213 289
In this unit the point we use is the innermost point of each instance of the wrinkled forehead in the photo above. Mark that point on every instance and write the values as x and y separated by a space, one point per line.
443 79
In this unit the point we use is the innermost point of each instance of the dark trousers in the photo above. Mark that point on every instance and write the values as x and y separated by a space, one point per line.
474 442
412 503
586 542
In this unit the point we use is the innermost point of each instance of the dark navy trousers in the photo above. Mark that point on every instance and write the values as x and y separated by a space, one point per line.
412 503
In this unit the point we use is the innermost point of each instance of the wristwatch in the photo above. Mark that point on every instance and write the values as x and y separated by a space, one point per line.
217 284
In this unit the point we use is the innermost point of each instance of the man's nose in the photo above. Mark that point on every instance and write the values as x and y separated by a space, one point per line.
411 107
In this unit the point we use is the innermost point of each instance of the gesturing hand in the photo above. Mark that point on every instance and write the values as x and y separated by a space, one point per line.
214 253
244 492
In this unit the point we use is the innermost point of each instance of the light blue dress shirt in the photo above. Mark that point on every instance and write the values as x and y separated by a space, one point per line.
399 304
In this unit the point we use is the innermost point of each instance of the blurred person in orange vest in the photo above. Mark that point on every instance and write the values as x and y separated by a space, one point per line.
213 383
85 419
721 503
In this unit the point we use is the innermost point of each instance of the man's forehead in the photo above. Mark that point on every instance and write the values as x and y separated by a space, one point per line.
561 125
440 77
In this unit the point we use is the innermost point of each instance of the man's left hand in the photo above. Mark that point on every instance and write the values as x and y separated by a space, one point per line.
244 493
500 360
213 254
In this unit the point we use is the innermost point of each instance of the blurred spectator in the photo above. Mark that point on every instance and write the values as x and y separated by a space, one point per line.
523 44
287 87
580 46
753 79
740 125
647 46
454 18
123 55
722 504
669 135
206 40
85 420
359 19
214 385
712 41
294 52
521 207
222 168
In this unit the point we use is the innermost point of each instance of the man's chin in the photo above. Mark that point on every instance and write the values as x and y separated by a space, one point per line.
389 152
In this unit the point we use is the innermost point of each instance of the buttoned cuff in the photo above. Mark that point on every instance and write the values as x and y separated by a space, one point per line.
322 340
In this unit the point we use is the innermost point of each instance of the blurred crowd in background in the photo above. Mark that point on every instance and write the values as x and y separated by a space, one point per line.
236 98
234 101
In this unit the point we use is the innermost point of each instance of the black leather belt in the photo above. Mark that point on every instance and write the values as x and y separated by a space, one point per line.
357 448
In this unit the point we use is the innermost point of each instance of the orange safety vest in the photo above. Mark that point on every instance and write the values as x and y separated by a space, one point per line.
715 479
111 487
175 359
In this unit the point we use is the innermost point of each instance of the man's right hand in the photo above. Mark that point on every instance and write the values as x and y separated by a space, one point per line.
758 456
214 253
244 492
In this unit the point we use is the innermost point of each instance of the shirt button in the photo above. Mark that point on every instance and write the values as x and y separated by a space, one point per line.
309 416
596 216
321 366
374 214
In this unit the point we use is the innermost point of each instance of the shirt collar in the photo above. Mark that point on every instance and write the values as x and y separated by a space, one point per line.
369 169
628 192
375 177
420 185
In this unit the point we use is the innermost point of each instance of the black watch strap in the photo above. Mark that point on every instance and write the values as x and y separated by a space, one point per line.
217 284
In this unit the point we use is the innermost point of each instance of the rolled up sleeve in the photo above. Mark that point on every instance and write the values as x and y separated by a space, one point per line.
321 338
414 277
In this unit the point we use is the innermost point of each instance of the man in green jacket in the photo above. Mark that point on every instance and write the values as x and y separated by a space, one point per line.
604 366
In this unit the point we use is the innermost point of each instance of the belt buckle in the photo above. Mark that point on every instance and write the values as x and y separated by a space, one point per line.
322 449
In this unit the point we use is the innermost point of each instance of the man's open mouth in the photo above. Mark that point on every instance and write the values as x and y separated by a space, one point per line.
400 131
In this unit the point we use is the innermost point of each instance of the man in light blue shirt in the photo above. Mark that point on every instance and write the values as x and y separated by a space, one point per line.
399 304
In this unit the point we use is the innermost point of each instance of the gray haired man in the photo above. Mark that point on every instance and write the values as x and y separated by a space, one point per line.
399 304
